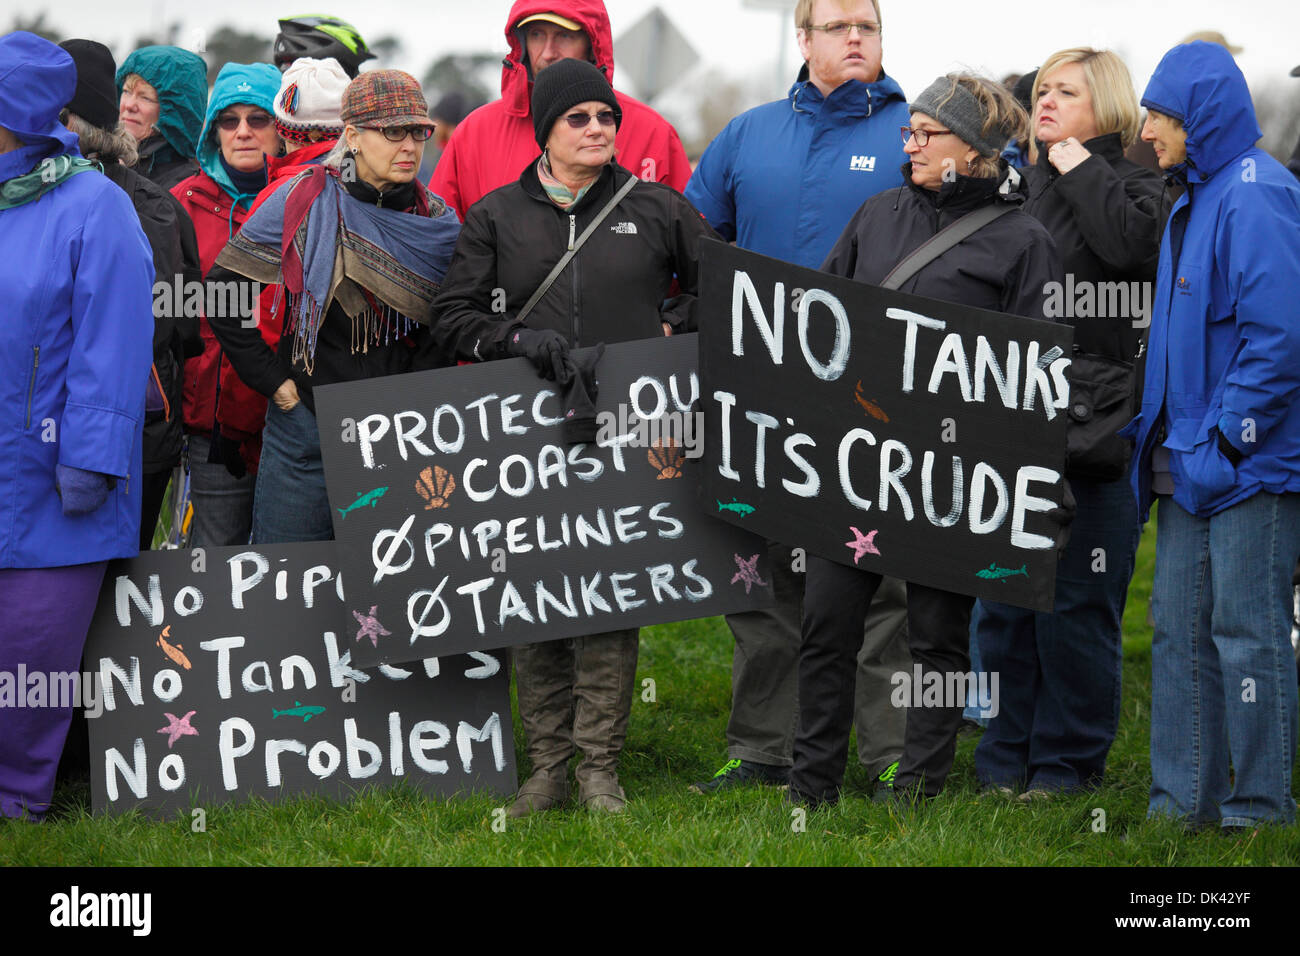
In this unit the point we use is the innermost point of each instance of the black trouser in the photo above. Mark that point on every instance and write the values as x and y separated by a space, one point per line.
835 605
151 499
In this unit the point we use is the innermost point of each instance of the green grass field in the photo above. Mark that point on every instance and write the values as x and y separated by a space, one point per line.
672 742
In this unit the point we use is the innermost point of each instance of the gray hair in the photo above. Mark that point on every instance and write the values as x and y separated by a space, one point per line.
115 145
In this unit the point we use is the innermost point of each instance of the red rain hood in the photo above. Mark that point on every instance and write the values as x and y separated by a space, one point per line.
516 89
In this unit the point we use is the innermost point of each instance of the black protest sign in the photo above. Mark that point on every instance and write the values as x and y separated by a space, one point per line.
884 431
465 520
225 675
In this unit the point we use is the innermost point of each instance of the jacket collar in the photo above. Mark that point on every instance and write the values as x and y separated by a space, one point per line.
969 192
850 99
600 190
1109 146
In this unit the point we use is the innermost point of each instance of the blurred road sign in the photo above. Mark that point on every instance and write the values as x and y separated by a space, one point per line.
654 53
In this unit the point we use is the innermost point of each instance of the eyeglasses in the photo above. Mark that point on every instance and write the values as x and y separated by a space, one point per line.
839 29
922 135
395 134
583 120
256 121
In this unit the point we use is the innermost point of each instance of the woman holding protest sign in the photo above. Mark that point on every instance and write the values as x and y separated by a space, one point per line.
1060 671
76 270
517 241
988 254
370 249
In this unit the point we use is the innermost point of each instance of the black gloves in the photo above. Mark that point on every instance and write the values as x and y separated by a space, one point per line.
547 349
1063 517
225 451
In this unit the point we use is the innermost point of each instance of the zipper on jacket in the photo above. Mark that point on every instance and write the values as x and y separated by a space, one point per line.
31 386
573 226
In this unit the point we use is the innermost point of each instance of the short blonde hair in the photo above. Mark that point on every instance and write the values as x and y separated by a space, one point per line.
1114 104
804 8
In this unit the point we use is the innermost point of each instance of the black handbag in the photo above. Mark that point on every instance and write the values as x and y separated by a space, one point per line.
1102 392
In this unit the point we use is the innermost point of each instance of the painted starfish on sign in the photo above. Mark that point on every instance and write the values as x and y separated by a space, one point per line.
748 572
177 727
862 544
370 626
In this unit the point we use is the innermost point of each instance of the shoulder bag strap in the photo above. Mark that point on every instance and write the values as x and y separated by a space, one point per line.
942 241
568 256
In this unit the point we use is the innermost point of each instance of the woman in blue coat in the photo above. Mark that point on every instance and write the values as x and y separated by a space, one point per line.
1218 440
77 273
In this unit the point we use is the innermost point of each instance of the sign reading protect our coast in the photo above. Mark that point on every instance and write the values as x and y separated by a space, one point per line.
884 431
465 521
227 674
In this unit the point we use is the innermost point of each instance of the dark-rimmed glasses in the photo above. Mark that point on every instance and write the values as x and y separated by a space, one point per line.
395 134
839 29
922 135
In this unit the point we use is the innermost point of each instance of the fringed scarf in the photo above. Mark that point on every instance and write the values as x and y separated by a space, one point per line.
383 266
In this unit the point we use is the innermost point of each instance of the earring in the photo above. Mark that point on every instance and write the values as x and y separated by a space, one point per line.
970 165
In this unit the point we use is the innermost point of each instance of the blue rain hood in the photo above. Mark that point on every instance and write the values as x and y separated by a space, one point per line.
1200 84
254 84
181 79
37 79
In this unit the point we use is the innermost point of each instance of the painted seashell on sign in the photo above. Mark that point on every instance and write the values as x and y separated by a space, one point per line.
667 458
435 486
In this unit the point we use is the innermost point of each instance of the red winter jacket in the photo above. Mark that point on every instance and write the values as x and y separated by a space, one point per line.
242 411
209 208
495 142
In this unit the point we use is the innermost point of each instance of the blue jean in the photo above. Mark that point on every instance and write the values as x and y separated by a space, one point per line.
223 504
1223 681
1059 672
291 503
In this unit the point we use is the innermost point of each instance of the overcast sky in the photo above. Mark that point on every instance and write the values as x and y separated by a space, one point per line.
921 39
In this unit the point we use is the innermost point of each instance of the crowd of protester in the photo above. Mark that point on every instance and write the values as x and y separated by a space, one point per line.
114 178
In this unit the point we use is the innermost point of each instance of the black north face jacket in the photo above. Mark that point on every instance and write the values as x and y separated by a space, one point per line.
616 289
1003 267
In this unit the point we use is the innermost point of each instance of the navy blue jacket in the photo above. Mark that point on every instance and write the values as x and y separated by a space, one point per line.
783 179
1225 329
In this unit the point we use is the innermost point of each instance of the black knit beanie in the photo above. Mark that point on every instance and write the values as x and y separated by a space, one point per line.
563 85
95 100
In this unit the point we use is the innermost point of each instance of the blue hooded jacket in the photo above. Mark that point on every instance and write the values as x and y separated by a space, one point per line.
783 179
253 84
1225 329
77 274
181 79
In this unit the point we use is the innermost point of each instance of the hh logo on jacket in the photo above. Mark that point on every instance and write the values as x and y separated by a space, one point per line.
862 164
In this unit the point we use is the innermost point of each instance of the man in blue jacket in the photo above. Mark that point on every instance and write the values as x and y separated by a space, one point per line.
1218 439
783 180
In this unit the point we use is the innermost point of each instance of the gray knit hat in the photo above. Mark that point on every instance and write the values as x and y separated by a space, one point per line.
957 108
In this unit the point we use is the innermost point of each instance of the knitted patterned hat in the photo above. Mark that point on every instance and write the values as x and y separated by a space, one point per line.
310 99
383 98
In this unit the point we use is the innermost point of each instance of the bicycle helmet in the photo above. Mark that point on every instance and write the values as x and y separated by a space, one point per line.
321 37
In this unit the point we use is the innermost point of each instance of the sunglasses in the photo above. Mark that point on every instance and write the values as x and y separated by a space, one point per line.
256 121
582 120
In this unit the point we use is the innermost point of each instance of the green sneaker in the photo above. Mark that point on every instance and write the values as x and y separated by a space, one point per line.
886 779
741 773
